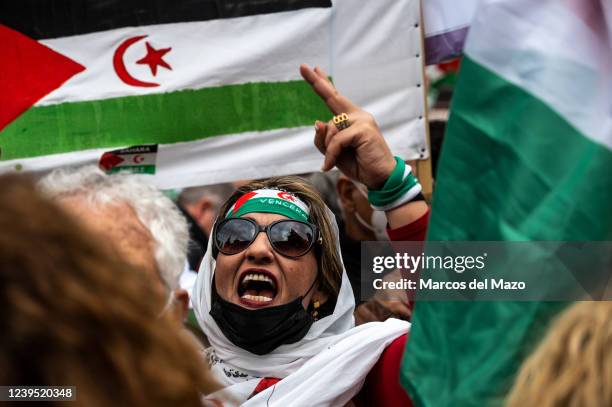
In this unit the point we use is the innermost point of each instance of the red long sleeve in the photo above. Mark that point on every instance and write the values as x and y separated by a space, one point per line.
415 231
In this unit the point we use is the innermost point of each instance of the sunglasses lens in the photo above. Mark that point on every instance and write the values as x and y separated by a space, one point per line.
234 236
292 239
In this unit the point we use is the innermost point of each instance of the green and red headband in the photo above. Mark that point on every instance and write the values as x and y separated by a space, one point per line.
270 201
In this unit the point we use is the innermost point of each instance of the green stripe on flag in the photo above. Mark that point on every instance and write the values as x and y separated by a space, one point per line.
514 169
134 169
511 169
161 118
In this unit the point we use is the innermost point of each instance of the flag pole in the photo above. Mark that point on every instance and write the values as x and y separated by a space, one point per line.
423 166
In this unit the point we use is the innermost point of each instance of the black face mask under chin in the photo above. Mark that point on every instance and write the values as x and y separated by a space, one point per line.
260 331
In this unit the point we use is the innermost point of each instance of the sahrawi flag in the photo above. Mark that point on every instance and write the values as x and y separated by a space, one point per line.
527 156
203 91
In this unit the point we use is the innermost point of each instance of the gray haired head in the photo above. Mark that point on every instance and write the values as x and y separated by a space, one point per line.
154 210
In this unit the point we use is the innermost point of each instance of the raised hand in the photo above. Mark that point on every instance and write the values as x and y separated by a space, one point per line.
359 151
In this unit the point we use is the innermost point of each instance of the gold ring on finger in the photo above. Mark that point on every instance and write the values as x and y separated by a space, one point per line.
341 121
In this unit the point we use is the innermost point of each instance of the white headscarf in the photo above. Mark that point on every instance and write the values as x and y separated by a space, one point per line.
331 343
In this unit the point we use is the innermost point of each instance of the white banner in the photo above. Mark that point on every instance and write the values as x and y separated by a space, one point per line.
372 49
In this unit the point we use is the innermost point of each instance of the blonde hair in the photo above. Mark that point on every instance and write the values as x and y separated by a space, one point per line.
67 319
330 276
573 364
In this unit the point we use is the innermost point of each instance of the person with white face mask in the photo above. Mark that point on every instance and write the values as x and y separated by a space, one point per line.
356 226
362 222
376 224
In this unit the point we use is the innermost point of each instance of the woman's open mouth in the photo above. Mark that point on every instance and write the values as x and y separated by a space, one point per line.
257 288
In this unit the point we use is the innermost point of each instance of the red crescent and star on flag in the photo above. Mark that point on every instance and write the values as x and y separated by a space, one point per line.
154 58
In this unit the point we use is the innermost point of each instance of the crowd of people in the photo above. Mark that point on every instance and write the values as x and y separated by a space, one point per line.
239 296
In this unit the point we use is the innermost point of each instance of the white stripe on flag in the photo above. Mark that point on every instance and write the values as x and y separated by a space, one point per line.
261 48
539 46
442 16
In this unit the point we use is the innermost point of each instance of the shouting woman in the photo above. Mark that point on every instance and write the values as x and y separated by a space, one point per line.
272 294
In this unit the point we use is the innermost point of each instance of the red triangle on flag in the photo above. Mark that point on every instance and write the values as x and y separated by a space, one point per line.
109 160
30 71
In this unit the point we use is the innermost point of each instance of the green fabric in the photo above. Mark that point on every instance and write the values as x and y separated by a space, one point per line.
134 169
395 186
191 323
192 320
511 169
161 118
271 205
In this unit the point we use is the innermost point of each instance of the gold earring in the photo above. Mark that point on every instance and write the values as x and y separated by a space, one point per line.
315 312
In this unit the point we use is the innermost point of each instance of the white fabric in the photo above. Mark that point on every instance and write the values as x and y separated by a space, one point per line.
442 16
187 281
325 368
560 51
378 219
384 75
204 53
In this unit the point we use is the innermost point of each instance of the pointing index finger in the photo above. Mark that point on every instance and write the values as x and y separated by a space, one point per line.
319 82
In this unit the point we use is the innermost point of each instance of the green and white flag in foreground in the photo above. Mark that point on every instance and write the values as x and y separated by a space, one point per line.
215 85
527 156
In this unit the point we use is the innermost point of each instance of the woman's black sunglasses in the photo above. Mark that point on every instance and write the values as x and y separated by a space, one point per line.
290 238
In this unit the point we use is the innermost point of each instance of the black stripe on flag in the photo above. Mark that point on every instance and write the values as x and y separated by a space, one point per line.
41 19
